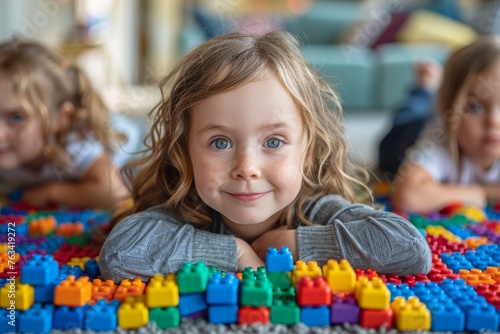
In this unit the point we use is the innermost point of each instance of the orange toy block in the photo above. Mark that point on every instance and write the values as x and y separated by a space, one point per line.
129 288
42 226
73 292
373 295
301 269
102 289
313 292
341 277
69 229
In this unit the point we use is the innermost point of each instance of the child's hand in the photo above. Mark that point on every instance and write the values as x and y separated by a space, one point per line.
247 256
477 195
428 74
276 238
39 196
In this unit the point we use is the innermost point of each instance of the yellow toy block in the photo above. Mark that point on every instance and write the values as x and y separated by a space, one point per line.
73 292
341 277
373 295
411 315
18 296
440 230
312 269
133 313
78 261
424 26
162 292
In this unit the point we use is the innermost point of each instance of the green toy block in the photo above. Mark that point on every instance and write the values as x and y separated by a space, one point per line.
258 292
279 279
285 312
192 278
166 317
287 294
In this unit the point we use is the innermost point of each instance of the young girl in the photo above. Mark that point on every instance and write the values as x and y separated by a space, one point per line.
54 132
457 160
248 152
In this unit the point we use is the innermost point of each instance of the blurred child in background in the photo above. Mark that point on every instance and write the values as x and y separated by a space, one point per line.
457 160
55 136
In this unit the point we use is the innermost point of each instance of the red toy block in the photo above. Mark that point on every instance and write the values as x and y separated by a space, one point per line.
376 318
248 315
369 273
313 292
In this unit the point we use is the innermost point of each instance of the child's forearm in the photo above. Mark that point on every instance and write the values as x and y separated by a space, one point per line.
86 194
492 192
434 196
247 256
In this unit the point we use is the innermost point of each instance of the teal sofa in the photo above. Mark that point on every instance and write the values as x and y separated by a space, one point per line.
367 79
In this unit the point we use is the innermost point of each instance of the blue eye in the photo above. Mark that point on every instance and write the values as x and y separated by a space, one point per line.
16 118
474 107
220 144
274 143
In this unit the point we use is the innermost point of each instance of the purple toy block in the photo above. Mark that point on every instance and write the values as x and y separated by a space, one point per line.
344 310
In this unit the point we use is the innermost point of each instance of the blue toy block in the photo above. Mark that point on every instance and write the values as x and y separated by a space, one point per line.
315 316
37 319
221 291
45 293
92 268
52 244
9 320
446 317
191 303
102 316
68 271
223 314
481 317
279 261
66 318
40 270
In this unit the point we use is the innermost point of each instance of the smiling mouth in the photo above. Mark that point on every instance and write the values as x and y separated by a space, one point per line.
250 197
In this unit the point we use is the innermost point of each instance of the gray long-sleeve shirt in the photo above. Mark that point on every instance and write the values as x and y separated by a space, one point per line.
158 241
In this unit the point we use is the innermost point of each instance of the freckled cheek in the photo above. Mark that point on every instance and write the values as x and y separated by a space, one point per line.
208 176
287 173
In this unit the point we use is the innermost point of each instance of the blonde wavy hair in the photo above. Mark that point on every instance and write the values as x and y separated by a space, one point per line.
220 64
463 66
43 80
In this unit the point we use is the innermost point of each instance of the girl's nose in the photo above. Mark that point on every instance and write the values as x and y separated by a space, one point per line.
246 166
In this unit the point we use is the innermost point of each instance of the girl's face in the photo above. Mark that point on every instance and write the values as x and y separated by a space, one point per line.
21 136
479 130
247 148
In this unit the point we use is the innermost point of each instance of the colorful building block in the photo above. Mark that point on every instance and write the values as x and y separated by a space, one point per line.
102 316
344 309
67 318
129 288
223 314
37 319
302 269
411 315
40 270
285 312
315 316
341 277
192 278
373 295
376 318
133 313
162 292
22 296
257 292
313 292
71 292
165 318
279 261
248 315
191 303
223 290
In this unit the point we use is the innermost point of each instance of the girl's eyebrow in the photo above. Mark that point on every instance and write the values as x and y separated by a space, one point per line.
12 110
267 127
